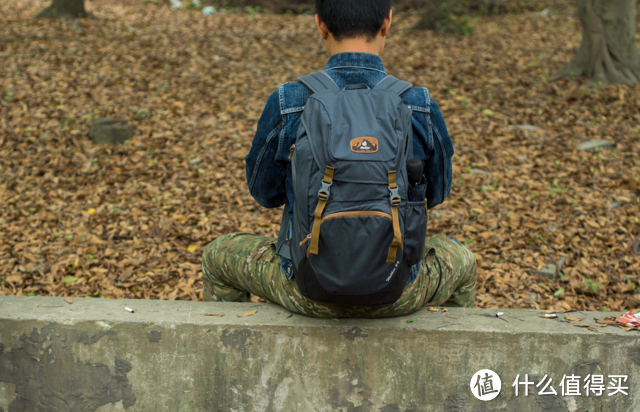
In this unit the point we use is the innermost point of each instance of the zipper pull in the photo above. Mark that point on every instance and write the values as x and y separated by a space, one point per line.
305 240
293 147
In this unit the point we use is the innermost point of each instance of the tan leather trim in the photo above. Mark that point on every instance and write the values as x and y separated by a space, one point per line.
397 234
371 213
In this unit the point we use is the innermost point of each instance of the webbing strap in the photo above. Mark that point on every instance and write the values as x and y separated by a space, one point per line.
318 82
392 176
395 203
393 85
323 198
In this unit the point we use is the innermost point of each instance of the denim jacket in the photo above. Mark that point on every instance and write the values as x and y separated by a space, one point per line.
268 165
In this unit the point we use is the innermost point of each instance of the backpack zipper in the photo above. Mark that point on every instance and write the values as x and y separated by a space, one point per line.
356 214
305 240
370 213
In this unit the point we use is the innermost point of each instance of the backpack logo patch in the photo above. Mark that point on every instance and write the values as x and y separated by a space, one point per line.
364 145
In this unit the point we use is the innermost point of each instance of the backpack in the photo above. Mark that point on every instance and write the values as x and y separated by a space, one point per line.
355 233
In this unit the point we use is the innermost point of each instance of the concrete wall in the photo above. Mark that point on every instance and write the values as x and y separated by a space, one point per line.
93 355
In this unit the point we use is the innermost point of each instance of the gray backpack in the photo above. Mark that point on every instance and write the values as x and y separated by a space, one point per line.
355 233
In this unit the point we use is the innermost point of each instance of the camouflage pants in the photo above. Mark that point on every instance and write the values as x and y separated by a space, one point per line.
238 264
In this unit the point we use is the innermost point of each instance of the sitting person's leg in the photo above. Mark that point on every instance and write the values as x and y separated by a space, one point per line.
233 265
457 284
238 264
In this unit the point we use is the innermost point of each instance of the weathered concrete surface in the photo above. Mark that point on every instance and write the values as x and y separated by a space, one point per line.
93 355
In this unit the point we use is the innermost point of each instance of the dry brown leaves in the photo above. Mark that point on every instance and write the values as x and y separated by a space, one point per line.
132 221
611 321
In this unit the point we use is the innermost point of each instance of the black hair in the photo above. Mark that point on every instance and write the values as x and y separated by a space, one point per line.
353 18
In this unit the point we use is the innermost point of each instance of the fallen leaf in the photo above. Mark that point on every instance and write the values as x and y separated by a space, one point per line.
213 314
251 312
445 310
69 280
192 249
91 211
412 320
572 320
607 322
531 170
68 300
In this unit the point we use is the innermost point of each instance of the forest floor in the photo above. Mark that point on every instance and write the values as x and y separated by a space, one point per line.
79 219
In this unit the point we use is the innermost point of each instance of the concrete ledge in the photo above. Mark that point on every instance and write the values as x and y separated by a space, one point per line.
93 355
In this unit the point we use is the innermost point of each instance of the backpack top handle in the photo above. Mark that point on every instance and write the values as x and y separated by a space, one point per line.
359 86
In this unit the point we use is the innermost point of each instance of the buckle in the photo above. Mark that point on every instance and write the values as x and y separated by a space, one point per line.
394 198
324 191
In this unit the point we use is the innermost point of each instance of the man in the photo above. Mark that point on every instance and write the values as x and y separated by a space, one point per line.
237 265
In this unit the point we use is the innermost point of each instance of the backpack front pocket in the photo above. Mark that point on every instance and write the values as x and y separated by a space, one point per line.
353 248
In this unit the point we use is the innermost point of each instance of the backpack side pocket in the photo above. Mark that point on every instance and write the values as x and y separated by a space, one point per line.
415 231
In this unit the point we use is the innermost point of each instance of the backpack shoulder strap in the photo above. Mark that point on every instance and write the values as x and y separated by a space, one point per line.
318 82
393 85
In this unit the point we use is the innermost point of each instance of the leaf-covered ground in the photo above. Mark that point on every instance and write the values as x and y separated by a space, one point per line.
132 221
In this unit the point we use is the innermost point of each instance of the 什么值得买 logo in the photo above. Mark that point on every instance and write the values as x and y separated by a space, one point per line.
364 145
485 385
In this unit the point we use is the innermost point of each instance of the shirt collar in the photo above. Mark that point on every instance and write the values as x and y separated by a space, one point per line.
350 60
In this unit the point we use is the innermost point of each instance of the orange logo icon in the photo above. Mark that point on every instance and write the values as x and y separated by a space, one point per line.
364 145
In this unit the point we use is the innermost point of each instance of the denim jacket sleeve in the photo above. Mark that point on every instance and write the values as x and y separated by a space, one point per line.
439 167
266 177
431 144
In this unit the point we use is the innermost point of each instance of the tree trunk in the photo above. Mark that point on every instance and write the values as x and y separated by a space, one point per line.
608 53
64 9
433 16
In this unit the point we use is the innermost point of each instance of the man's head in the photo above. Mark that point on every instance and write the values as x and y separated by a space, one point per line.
354 25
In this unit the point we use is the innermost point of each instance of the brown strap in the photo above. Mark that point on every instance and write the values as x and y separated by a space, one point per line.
397 234
317 216
328 175
392 179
